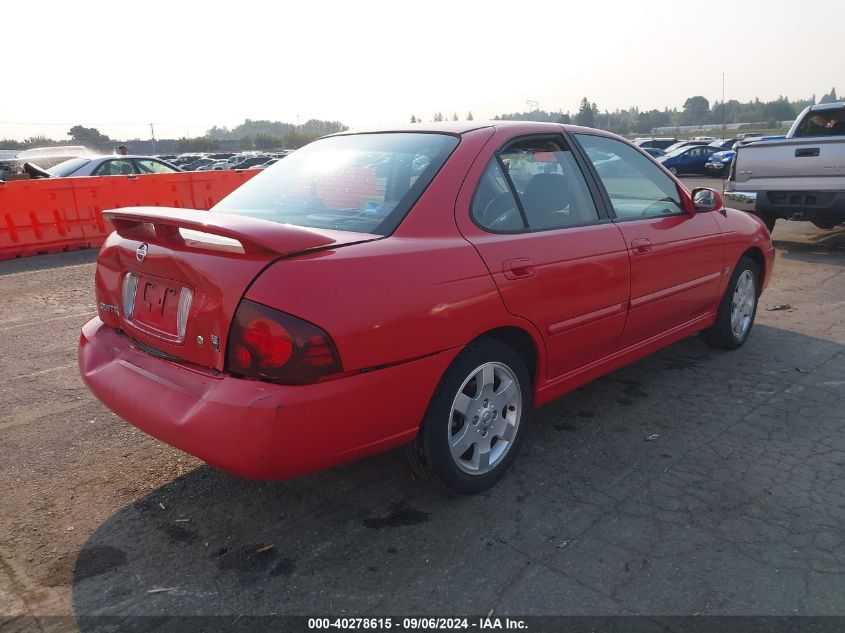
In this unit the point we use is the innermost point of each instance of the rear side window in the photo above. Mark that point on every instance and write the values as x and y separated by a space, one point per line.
636 186
532 185
365 183
68 167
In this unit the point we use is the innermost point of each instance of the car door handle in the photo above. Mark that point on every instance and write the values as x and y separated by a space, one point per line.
641 246
803 152
518 268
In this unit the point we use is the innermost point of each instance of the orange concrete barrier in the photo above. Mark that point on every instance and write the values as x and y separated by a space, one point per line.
54 215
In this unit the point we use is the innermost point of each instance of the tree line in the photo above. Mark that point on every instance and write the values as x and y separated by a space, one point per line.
249 135
697 110
267 135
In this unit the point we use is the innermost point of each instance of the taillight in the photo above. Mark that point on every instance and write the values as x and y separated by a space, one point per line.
130 286
185 298
274 346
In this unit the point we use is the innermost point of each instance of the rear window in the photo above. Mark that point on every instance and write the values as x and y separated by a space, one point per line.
364 183
66 168
822 123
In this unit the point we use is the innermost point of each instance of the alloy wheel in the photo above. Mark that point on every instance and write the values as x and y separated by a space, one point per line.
485 418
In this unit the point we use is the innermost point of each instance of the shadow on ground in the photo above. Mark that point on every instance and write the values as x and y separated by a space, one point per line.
694 481
826 247
44 262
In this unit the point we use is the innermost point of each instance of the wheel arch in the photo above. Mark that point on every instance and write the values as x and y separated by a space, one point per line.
756 255
521 341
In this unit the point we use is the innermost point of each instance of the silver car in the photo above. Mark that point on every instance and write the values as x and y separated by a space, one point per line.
114 165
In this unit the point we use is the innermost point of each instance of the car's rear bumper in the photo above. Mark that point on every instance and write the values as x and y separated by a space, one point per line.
257 429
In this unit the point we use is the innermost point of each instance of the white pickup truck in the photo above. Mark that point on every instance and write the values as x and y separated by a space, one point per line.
800 177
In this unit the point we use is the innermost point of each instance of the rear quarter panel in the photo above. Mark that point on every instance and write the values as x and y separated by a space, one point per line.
388 301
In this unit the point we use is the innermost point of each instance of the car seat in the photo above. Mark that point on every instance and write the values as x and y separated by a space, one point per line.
546 196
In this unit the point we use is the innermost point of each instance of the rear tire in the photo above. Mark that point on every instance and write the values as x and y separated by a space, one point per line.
476 420
735 316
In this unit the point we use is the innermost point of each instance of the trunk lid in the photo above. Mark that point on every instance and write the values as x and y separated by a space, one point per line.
173 278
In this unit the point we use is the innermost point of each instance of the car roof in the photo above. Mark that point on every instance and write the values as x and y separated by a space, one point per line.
117 156
464 127
828 106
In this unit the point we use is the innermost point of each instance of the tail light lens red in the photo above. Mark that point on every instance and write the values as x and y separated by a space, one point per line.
271 345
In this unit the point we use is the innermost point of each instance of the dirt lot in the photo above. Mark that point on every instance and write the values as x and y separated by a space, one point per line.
735 507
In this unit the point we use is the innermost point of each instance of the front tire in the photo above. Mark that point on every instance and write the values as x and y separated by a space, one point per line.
735 316
476 419
673 171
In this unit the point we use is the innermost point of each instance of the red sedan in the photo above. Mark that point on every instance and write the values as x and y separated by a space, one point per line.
425 286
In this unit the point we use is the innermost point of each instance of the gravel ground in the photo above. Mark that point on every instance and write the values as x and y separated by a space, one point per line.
735 507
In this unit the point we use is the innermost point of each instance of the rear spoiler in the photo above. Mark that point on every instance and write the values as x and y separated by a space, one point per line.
254 235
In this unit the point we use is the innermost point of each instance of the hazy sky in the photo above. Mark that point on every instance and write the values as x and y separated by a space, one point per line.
187 65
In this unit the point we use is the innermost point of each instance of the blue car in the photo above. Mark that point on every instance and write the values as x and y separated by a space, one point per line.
688 160
719 164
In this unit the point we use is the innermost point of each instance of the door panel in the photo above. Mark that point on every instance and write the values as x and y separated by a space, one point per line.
578 294
527 209
676 279
676 254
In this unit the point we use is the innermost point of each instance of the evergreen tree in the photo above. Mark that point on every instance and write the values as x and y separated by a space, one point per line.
586 116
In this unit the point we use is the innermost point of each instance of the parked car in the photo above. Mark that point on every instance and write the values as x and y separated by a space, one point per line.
212 166
799 177
322 314
200 162
658 143
235 160
653 151
723 143
109 165
269 163
719 163
186 159
681 144
687 160
252 161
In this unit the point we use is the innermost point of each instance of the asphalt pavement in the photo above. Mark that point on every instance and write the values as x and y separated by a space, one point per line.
692 482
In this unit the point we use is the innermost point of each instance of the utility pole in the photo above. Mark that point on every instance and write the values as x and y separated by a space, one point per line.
153 135
723 106
724 135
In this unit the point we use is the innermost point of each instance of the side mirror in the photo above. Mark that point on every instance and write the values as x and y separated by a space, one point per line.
704 199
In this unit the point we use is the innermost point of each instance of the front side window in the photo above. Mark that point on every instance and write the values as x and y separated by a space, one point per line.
531 185
115 168
365 183
636 186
